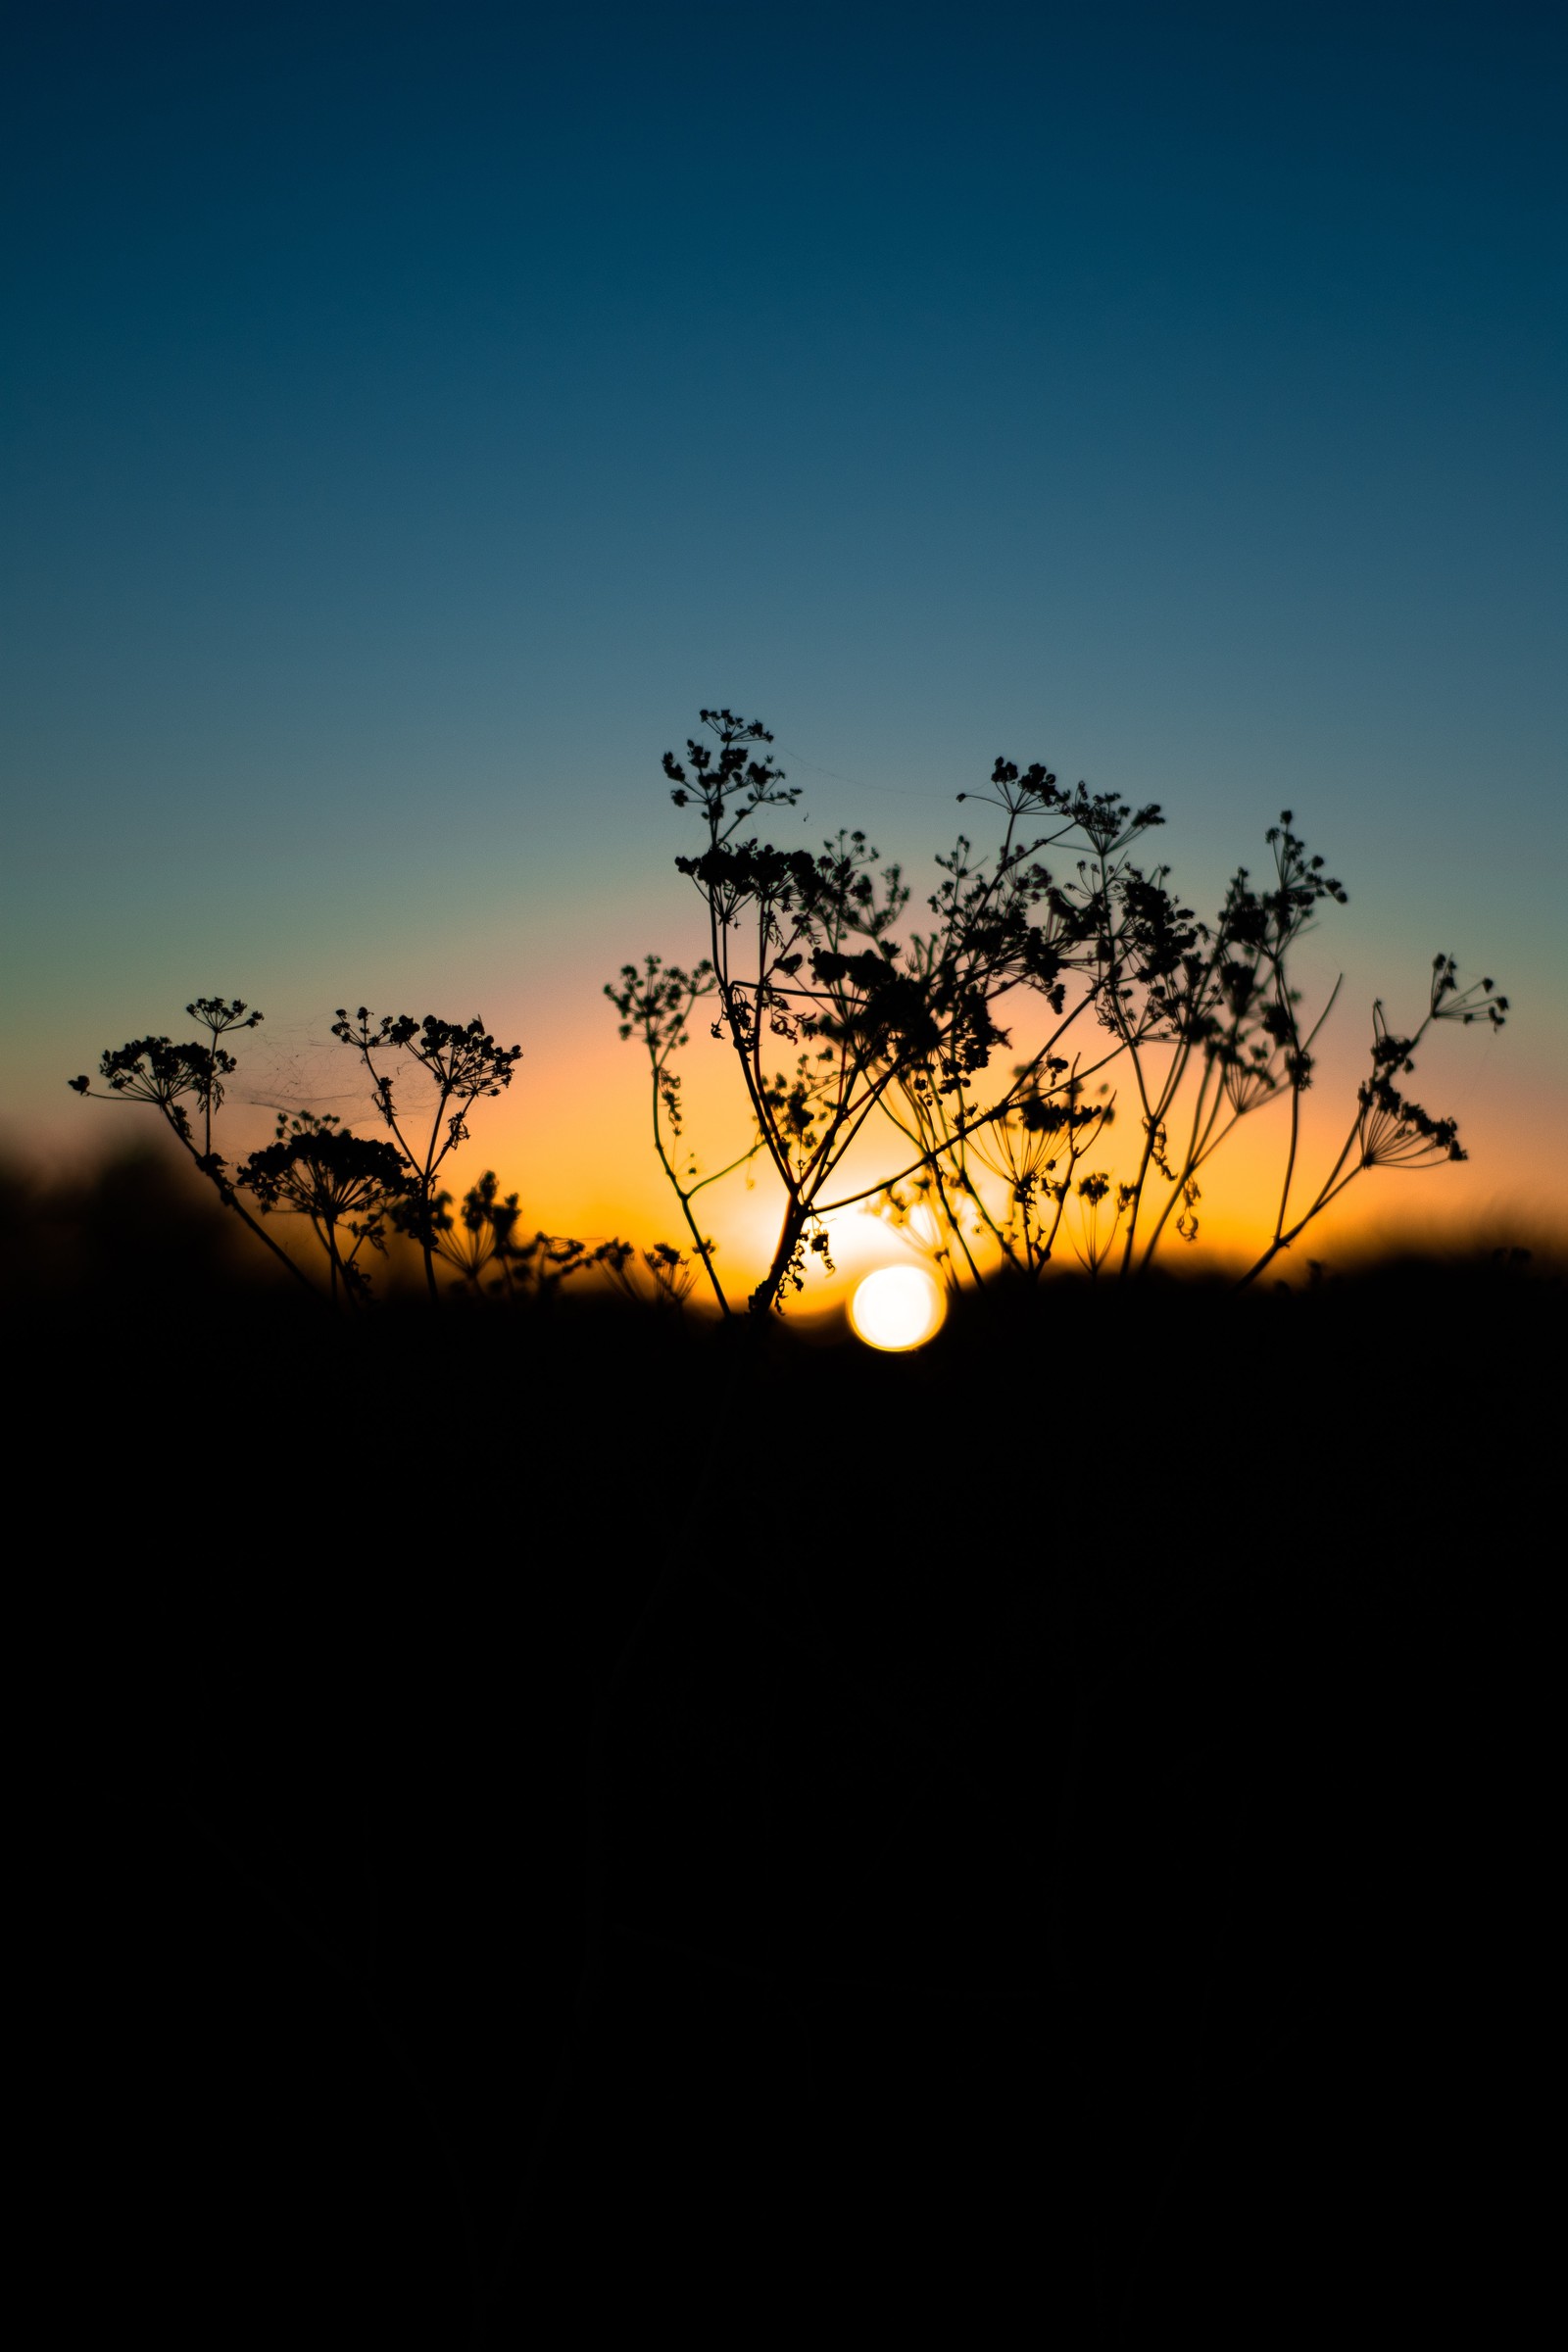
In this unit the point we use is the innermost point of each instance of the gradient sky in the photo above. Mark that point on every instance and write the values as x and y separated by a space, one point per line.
415 413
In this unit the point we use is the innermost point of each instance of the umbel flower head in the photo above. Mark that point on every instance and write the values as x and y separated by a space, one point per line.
218 1014
461 1057
327 1173
1479 1002
151 1069
336 1179
1024 1142
1399 1134
1394 1132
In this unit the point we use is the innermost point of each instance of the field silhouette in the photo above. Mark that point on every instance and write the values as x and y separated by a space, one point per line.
587 1809
601 1796
576 1784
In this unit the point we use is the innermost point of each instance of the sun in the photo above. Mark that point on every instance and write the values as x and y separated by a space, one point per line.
897 1307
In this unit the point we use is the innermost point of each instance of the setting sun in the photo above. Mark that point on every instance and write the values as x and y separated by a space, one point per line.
897 1307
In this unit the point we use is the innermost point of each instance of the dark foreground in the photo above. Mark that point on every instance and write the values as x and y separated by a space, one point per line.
560 1825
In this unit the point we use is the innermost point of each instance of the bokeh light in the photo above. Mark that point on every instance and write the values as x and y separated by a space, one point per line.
897 1307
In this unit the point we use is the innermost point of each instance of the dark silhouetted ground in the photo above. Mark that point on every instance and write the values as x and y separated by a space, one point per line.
571 1822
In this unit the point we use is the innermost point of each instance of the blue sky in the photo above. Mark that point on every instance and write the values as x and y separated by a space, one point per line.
415 413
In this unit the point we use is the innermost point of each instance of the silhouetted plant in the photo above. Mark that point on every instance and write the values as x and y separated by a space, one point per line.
1201 1017
803 951
546 1260
482 1242
1035 1144
156 1072
1098 1229
340 1183
220 1016
885 1028
464 1064
479 1241
911 1209
655 1005
351 1190
1390 1131
484 1234
662 1276
1180 996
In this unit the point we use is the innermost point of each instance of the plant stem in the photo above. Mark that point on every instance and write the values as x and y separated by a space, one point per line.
231 1200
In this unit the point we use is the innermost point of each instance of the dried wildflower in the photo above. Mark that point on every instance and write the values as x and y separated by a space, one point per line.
466 1066
152 1070
218 1016
899 1027
1449 1001
888 1026
1390 1130
655 1004
1399 1134
345 1185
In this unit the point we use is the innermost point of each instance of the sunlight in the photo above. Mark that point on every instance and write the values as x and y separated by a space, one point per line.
897 1307
924 1230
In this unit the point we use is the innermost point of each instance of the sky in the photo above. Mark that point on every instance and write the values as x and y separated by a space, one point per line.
414 415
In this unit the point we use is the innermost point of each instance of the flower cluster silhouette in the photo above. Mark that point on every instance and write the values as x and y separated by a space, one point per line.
863 1028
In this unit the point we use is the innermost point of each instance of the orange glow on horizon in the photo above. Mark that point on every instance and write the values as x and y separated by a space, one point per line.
571 1137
